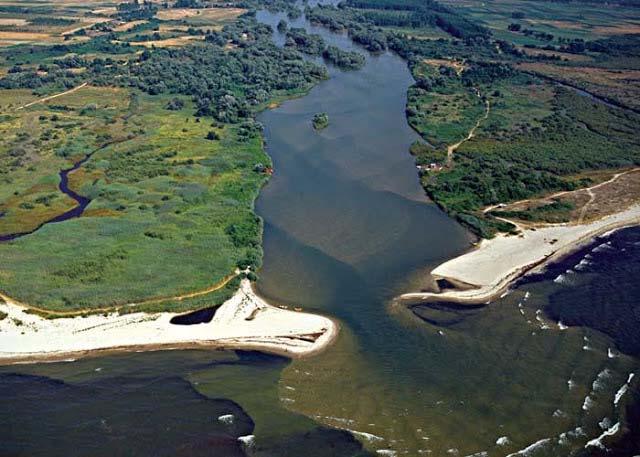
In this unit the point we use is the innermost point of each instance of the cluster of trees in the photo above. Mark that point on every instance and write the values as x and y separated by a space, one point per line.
420 13
314 45
311 44
487 72
134 10
347 60
223 84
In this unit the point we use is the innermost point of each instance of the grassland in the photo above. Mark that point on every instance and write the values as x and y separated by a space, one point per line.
167 205
173 166
564 19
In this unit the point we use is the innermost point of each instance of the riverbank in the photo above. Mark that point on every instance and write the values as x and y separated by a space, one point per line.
245 321
485 272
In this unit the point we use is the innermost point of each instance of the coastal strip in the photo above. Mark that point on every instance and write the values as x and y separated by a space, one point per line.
485 272
245 321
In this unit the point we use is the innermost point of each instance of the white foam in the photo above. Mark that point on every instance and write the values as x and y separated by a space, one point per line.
389 452
532 447
526 295
622 390
597 442
366 436
479 454
561 326
564 438
226 418
605 423
603 247
247 440
559 413
612 354
588 403
584 263
571 384
502 441
560 279
599 382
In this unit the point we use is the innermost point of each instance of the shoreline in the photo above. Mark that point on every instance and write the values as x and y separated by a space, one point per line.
245 321
494 265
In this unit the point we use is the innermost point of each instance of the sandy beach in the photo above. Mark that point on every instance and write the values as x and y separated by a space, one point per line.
245 321
489 269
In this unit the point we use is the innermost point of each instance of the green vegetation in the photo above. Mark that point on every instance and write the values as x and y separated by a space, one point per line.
347 60
554 212
177 162
496 126
320 121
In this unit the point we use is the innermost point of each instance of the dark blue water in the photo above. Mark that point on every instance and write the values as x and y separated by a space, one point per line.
63 186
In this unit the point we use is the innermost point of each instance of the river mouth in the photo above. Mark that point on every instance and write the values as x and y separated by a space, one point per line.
347 229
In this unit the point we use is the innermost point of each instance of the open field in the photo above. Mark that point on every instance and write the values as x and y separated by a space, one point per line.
614 194
570 20
156 187
208 15
622 86
169 168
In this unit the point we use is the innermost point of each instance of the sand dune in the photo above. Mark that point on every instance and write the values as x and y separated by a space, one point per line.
245 321
494 264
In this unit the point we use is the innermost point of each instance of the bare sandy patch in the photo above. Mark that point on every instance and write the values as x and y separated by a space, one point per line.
12 21
244 321
213 14
24 36
128 25
105 11
558 24
489 269
621 29
562 55
86 23
169 42
458 66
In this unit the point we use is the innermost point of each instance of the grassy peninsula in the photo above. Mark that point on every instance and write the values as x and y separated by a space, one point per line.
163 101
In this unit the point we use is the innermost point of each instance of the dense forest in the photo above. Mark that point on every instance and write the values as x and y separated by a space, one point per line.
225 85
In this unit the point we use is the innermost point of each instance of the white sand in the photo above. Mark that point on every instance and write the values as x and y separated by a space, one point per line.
495 263
243 322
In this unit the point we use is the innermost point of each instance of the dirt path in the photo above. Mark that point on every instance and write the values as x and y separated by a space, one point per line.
51 97
589 190
113 308
452 148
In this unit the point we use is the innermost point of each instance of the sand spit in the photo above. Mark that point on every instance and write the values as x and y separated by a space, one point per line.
487 270
245 321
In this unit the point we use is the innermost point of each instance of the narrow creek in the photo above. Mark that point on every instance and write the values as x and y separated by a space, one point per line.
63 186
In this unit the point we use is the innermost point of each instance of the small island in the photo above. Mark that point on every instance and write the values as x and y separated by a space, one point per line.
320 121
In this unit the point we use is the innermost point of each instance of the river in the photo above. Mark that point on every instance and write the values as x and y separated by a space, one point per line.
347 228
